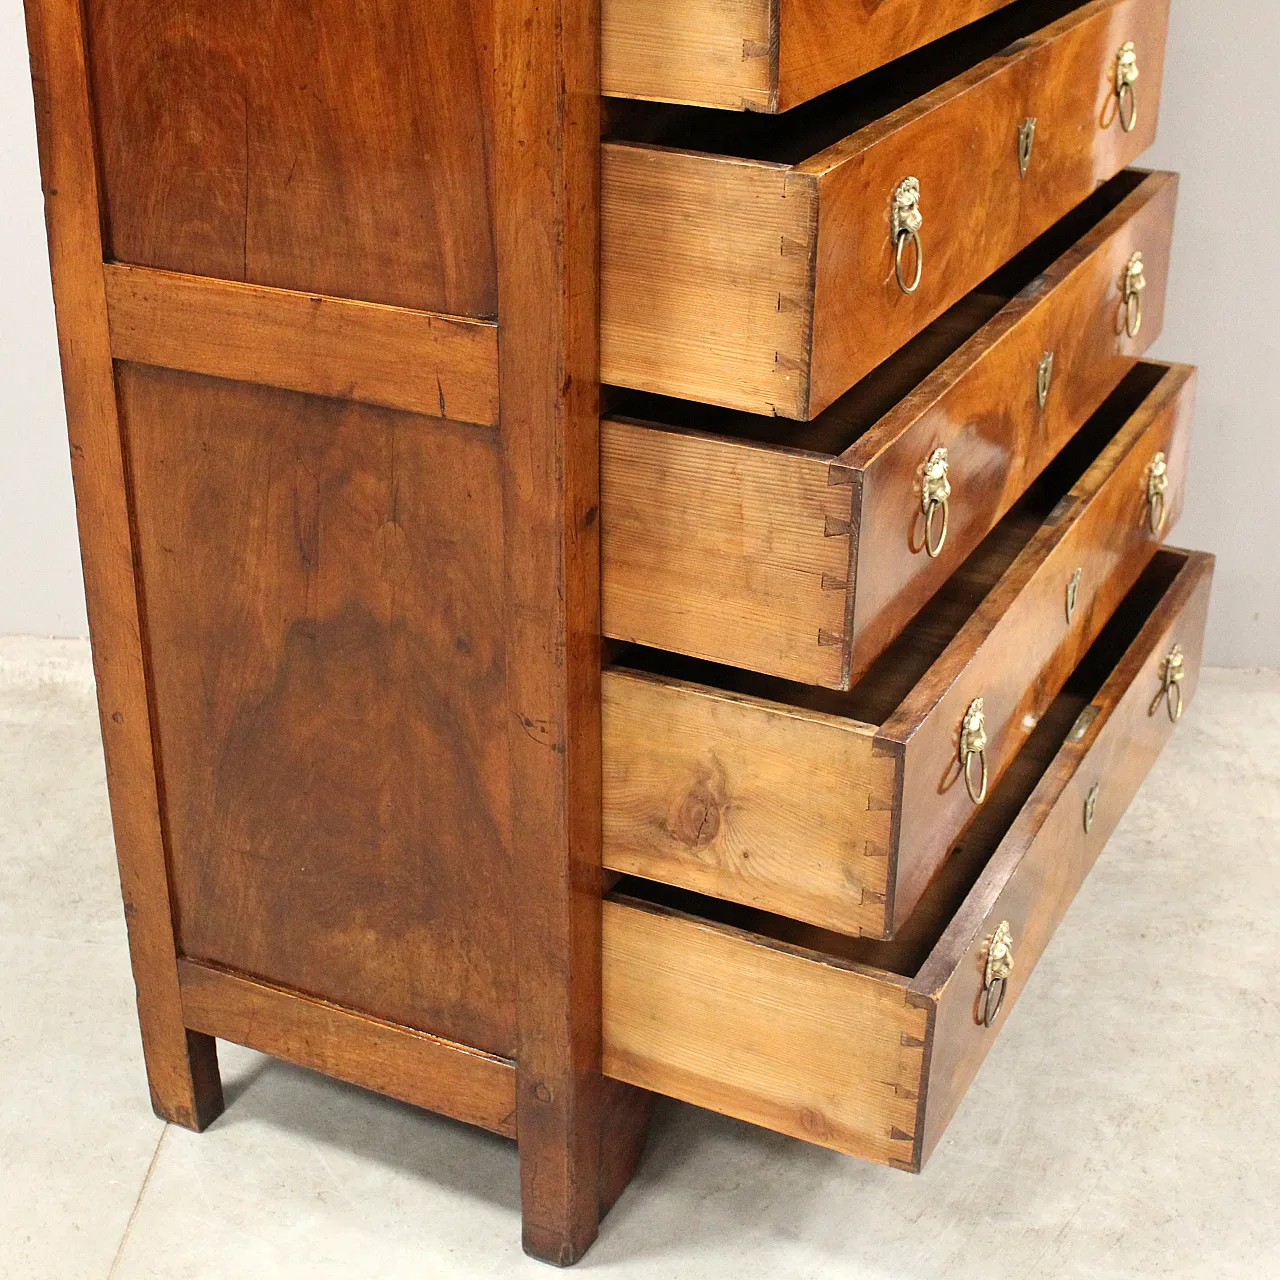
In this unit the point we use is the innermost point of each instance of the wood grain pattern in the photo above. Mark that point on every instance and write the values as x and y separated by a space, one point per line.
331 702
796 550
819 1037
577 1143
837 809
825 43
798 1043
1065 77
1018 648
729 242
441 366
761 55
714 55
420 1069
981 405
319 148
748 800
182 1066
1042 862
724 550
696 301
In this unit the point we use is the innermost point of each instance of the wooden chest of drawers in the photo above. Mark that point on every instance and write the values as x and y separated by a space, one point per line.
740 733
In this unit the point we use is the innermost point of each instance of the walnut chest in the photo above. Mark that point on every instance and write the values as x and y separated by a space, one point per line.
625 543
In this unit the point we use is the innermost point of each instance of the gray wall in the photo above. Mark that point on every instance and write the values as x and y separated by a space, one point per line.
1218 129
40 590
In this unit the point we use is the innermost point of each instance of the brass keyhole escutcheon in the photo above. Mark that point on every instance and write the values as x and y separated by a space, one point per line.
1157 488
1126 78
1090 806
1044 378
973 747
935 500
1026 141
1132 283
906 223
1073 592
995 973
1173 670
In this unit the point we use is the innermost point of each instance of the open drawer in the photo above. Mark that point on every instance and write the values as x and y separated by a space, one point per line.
799 549
761 55
749 260
837 808
868 1047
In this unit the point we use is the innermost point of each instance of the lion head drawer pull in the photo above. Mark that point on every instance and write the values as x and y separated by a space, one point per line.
1173 671
907 221
1126 94
973 746
1132 284
935 499
1157 487
995 974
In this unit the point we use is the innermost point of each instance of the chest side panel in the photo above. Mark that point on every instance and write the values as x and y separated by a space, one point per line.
322 583
338 147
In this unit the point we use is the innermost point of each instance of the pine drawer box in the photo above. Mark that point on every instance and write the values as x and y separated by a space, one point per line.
869 1047
761 55
800 550
837 808
749 261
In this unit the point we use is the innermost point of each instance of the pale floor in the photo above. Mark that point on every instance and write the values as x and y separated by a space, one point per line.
1127 1123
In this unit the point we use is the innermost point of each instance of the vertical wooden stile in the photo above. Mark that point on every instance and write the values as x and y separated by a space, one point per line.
182 1065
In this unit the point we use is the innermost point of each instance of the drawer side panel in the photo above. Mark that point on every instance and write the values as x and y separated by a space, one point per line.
789 811
724 550
706 278
777 1037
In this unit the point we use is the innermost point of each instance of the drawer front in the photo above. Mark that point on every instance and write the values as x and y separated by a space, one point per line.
978 210
1020 646
806 567
761 55
836 1050
1043 861
990 419
823 818
770 287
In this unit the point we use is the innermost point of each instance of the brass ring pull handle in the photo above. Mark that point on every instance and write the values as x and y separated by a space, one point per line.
1157 487
1132 285
1126 94
995 973
973 746
1173 670
907 221
935 497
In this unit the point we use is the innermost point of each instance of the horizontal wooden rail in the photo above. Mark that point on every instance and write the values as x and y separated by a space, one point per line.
412 1066
443 366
